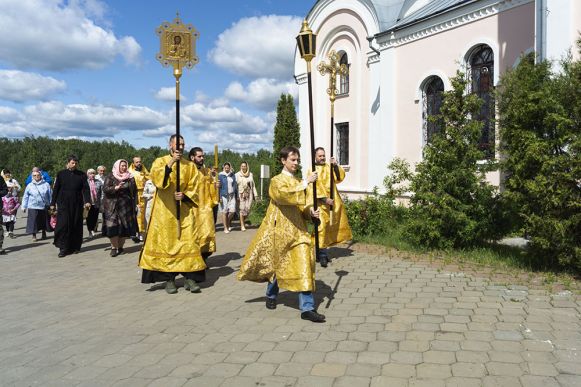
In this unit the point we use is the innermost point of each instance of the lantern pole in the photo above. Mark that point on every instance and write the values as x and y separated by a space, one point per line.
306 42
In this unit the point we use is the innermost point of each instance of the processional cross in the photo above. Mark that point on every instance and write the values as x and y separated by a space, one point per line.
333 69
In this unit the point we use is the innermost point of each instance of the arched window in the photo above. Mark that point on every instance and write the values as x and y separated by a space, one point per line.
481 72
432 101
344 79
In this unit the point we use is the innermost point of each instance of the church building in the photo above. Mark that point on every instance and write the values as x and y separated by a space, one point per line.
401 55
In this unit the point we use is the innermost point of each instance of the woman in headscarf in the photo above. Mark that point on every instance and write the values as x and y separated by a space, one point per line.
119 206
36 199
246 192
96 191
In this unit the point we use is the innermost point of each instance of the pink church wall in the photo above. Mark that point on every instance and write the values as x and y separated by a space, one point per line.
509 34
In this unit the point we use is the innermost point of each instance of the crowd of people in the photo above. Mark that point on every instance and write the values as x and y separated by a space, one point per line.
173 208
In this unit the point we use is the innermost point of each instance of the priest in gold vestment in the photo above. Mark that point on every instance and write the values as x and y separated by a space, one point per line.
141 175
208 199
166 254
281 252
334 227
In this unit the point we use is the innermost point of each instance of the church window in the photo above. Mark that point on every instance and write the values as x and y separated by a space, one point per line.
342 143
432 102
481 73
344 79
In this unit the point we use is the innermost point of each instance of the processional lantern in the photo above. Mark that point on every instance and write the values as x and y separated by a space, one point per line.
306 43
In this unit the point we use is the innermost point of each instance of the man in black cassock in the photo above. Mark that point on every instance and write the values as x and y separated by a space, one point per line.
70 194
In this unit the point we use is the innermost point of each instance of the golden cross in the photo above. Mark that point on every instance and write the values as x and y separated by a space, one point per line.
333 69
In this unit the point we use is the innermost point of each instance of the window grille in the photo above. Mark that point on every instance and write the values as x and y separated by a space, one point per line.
344 79
342 143
432 102
481 74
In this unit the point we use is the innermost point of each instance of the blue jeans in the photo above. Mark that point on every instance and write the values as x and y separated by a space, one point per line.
306 299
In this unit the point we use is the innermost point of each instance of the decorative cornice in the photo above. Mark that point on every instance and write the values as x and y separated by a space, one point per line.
373 58
301 79
456 18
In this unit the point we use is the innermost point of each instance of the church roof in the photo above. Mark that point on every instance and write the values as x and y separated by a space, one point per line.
387 11
395 14
430 8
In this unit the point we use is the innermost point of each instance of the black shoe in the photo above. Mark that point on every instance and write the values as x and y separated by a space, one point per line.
135 239
120 250
313 316
114 252
324 261
270 303
62 253
3 252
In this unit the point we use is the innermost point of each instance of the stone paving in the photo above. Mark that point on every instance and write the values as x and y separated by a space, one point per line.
86 320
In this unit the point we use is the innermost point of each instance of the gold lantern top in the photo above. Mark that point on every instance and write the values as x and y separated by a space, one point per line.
307 42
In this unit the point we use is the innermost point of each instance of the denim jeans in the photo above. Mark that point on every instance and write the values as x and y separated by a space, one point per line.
306 299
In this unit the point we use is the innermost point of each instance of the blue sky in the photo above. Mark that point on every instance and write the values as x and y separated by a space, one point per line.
87 69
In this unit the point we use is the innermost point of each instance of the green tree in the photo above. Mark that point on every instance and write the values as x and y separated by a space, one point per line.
540 128
287 131
452 204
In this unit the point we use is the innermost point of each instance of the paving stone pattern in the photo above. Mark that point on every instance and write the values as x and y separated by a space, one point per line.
86 320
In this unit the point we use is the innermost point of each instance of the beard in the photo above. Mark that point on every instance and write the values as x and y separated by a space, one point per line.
138 168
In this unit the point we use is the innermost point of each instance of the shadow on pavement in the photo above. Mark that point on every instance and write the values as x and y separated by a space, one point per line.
100 246
340 252
222 259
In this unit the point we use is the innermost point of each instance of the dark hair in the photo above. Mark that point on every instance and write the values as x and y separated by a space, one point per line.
227 163
72 157
244 162
319 148
195 150
173 137
287 150
7 171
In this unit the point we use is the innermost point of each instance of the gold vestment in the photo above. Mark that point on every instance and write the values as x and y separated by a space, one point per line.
140 178
332 229
208 198
163 251
282 245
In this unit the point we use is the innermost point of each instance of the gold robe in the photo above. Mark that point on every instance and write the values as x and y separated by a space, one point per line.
332 229
163 251
140 178
282 246
208 198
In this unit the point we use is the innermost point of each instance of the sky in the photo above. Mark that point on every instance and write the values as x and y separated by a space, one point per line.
87 69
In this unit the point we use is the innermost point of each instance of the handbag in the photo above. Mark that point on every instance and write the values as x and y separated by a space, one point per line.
52 220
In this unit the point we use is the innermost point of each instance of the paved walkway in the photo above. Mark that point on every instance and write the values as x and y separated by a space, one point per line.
86 320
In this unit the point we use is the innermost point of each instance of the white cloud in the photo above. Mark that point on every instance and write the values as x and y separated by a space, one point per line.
8 114
262 93
56 118
201 123
58 35
258 46
19 86
162 131
168 94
